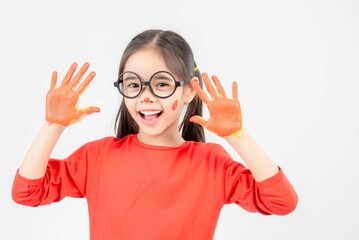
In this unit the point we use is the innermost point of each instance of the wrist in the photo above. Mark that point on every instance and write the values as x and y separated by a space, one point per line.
53 127
239 134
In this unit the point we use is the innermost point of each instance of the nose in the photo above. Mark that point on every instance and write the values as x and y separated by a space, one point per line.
146 95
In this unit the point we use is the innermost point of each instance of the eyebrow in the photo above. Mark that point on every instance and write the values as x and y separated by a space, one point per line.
129 78
159 76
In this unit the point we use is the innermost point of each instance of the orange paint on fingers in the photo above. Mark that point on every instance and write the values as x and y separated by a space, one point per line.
61 102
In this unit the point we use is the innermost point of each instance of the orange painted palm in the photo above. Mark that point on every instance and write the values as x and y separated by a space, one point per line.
62 102
225 113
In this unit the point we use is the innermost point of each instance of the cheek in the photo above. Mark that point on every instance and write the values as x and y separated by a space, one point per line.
130 107
175 105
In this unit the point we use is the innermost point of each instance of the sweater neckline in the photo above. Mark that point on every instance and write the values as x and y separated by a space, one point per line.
156 147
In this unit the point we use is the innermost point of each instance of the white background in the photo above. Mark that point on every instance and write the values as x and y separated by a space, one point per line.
297 68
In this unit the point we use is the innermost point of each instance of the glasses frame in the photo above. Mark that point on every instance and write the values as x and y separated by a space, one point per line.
148 83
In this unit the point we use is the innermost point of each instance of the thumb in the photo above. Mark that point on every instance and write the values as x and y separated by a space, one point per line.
81 113
87 111
199 120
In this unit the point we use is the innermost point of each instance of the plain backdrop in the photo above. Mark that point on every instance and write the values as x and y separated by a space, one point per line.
297 68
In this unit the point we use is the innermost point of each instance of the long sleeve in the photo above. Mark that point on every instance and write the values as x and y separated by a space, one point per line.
274 195
63 178
166 192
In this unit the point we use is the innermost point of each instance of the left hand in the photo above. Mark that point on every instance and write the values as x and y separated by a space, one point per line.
225 113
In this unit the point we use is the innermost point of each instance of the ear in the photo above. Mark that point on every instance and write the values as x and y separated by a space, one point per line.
190 93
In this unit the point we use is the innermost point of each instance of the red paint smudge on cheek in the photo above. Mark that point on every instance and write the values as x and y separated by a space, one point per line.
174 106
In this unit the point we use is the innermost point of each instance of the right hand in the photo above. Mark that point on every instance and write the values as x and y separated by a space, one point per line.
61 102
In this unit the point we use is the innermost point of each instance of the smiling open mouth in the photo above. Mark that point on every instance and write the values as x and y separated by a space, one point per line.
150 115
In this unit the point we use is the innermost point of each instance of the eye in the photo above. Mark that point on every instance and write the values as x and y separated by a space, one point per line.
132 85
162 84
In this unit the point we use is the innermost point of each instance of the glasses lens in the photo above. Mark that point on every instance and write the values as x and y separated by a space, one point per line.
130 84
163 84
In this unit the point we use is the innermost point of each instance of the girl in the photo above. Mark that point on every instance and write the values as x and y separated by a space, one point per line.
157 179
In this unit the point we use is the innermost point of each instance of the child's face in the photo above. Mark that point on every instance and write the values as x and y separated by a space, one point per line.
156 117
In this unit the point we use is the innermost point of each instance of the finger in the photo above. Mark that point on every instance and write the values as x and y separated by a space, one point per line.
199 120
87 111
69 74
209 86
81 113
219 87
85 83
53 80
235 90
79 75
200 92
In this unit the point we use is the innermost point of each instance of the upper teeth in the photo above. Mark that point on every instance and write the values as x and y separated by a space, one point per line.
149 112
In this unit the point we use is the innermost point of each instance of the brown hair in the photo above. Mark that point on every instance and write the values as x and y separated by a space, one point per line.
178 57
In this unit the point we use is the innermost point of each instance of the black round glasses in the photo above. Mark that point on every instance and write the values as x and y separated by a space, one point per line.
162 84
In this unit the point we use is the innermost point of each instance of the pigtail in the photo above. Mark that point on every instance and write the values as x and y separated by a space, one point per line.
124 124
192 131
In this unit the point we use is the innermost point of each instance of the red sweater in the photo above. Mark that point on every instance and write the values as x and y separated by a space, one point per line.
139 191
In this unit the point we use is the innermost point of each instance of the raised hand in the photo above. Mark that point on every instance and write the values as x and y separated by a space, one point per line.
225 113
61 102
